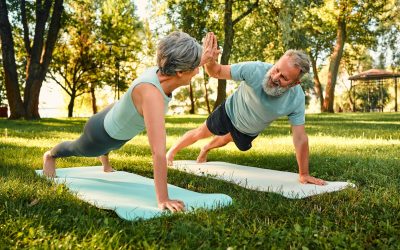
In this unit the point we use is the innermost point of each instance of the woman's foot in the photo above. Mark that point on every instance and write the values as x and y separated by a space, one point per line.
106 163
49 165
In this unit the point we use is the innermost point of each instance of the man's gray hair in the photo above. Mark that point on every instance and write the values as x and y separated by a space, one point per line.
178 52
300 60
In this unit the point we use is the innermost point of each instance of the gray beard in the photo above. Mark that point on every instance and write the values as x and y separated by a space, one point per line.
270 88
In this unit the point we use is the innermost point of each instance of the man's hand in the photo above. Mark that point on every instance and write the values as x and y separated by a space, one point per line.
304 179
210 49
172 205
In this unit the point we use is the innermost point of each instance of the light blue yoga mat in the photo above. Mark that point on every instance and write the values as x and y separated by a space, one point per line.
130 195
281 182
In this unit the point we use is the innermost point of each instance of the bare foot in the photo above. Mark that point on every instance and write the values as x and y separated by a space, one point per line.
106 164
202 156
170 158
49 165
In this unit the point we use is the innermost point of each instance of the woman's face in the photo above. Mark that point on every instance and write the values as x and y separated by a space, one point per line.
188 75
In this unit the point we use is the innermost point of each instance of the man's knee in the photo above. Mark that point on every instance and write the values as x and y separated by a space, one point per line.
242 147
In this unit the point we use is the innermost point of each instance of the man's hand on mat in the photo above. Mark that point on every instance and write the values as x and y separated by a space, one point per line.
304 179
172 205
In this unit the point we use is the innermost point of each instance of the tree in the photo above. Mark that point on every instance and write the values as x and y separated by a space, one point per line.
356 21
229 33
228 13
77 57
355 60
181 14
98 48
121 30
39 51
371 96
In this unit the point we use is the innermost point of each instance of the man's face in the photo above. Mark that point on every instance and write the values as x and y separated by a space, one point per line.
281 77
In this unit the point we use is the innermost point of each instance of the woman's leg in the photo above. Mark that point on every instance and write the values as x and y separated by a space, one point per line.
92 143
105 161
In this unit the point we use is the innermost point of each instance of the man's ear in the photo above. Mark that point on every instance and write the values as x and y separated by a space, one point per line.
179 73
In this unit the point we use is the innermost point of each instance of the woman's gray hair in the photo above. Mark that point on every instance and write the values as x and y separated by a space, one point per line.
178 52
300 60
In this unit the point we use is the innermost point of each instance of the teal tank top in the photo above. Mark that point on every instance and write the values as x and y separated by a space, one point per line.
123 122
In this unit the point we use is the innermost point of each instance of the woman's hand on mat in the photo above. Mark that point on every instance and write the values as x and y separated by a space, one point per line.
172 205
312 180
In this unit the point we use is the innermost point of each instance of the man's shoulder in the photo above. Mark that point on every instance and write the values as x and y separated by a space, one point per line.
253 64
253 68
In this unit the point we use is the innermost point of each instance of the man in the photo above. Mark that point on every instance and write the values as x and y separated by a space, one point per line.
266 93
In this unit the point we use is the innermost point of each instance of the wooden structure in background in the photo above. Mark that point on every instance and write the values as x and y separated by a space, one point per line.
378 75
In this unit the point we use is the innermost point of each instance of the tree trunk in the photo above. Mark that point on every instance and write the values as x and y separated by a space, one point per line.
352 97
228 43
191 111
71 104
317 82
93 95
226 51
334 65
205 77
395 94
41 54
9 65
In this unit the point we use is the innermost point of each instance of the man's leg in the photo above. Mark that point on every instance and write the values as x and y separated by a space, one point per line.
188 139
216 142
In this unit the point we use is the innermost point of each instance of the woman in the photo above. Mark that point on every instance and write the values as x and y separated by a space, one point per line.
143 106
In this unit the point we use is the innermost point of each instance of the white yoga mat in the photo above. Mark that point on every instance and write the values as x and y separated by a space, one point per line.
284 183
131 196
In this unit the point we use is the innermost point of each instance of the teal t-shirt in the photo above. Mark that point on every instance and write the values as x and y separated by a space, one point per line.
251 110
123 121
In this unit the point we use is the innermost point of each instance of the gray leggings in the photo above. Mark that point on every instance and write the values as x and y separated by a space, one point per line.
94 141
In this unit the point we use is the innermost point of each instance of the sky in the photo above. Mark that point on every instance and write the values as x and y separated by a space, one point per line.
141 7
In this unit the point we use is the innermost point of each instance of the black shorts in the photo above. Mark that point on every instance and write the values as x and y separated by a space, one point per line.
219 124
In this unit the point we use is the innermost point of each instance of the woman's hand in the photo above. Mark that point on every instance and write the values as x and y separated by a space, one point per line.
172 205
210 49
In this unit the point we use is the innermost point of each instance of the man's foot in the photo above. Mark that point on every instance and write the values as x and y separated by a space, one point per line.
170 158
49 165
202 156
106 164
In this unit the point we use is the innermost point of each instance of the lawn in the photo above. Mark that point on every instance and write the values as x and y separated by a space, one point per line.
361 148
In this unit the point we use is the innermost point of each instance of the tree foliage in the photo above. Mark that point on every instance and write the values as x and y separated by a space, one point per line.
39 34
99 47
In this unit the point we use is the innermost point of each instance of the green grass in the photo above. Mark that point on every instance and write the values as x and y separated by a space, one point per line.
361 148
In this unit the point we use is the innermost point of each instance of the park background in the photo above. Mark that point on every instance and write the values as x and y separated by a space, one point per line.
69 59
84 54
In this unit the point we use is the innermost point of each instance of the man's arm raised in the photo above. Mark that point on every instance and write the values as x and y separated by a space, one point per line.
211 66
